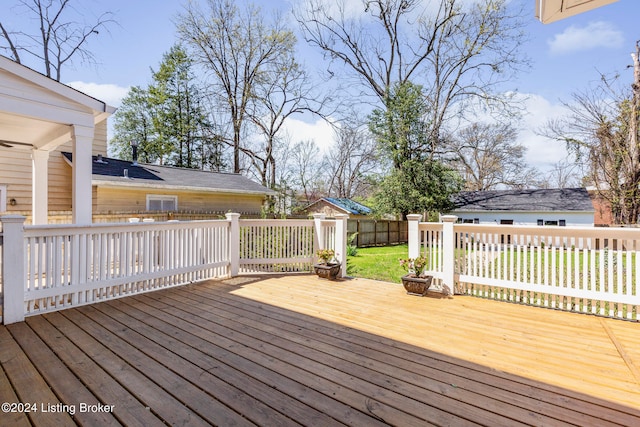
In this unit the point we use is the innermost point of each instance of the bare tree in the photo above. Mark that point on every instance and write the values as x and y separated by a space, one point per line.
457 51
307 167
283 90
352 161
237 47
602 131
59 38
487 156
563 174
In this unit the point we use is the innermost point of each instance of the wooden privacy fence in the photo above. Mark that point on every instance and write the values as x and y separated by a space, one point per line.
581 269
52 267
372 232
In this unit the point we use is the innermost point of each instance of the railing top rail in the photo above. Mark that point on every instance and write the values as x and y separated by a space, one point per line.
432 226
296 222
56 229
568 231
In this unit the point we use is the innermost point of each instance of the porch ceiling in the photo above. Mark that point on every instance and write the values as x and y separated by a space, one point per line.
25 133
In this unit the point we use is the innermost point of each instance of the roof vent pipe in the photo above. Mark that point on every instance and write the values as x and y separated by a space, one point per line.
134 152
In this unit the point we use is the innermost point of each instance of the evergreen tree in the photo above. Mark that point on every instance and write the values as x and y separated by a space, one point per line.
168 119
418 181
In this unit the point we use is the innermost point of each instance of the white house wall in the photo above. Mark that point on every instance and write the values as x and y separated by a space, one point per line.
583 219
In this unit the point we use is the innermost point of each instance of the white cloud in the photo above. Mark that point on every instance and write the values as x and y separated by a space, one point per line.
318 130
594 35
542 152
109 93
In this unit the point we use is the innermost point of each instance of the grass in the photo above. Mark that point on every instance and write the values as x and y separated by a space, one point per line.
378 263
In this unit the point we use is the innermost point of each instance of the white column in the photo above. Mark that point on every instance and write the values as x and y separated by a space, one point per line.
413 235
448 252
82 137
318 235
13 274
341 242
40 186
234 243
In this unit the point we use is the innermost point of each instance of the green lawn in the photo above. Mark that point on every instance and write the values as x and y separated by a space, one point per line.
378 263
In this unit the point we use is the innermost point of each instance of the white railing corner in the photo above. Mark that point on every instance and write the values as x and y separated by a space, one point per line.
234 243
414 235
448 251
341 241
13 264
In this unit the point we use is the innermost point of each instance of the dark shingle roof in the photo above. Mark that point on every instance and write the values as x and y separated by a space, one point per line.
544 200
349 206
112 171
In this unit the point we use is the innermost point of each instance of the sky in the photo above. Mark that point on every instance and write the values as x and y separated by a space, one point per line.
567 57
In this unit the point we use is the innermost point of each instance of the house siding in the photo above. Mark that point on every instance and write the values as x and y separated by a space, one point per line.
583 219
114 199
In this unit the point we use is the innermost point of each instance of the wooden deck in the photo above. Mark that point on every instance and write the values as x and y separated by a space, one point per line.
297 350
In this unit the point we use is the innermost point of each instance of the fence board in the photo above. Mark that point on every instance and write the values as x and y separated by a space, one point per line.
372 232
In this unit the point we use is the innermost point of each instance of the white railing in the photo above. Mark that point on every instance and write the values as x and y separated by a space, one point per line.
66 266
581 269
53 267
276 246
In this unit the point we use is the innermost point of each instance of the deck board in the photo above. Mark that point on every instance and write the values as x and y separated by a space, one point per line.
297 350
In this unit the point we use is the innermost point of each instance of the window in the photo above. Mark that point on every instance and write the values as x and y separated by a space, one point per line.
551 223
476 220
161 203
562 223
506 222
540 222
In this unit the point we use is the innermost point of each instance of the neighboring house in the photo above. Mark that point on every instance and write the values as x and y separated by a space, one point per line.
331 206
563 207
39 118
120 186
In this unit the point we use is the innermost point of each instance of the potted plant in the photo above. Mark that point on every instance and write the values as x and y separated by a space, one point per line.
327 267
415 282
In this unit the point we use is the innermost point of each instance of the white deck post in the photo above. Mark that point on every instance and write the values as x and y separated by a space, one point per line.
341 242
318 235
40 186
413 235
448 251
13 274
234 243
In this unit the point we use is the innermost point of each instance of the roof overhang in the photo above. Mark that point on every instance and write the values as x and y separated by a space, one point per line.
138 185
503 211
548 11
38 112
